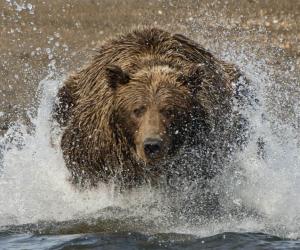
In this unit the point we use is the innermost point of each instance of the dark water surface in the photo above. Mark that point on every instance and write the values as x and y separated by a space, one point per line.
107 232
135 240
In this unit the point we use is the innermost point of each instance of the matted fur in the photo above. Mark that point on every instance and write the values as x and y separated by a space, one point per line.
94 144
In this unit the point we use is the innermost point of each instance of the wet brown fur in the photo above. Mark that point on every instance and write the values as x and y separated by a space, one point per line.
95 142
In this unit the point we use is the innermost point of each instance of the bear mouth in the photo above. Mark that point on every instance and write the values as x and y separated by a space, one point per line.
152 159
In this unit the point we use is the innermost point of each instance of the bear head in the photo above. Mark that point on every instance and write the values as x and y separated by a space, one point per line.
155 108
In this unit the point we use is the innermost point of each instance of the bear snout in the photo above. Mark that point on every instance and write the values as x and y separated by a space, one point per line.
153 147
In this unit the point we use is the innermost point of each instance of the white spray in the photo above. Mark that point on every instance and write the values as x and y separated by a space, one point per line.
34 180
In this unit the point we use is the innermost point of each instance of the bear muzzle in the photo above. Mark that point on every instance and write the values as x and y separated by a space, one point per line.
153 149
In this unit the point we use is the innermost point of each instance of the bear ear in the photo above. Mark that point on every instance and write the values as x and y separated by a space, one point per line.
115 76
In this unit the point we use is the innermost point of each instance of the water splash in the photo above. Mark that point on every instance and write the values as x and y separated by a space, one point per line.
269 185
34 180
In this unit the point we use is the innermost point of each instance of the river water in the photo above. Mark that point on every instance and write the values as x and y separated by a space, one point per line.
40 209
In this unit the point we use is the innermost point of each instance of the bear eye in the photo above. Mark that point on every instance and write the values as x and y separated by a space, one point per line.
138 112
168 113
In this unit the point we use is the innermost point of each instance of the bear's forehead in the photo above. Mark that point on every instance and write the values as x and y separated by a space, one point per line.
156 76
158 81
157 85
131 97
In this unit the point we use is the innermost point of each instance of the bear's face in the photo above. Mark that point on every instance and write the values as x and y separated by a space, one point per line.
153 110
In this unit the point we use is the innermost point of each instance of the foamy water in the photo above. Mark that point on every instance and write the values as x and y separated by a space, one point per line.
34 180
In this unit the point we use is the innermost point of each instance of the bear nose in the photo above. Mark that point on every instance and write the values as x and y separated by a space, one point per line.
152 147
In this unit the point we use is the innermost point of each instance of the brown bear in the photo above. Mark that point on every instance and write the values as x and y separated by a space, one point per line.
143 98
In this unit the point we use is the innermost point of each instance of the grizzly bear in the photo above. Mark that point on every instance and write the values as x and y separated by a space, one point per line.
145 99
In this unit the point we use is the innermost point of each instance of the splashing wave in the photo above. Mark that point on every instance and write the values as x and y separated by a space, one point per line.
34 181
